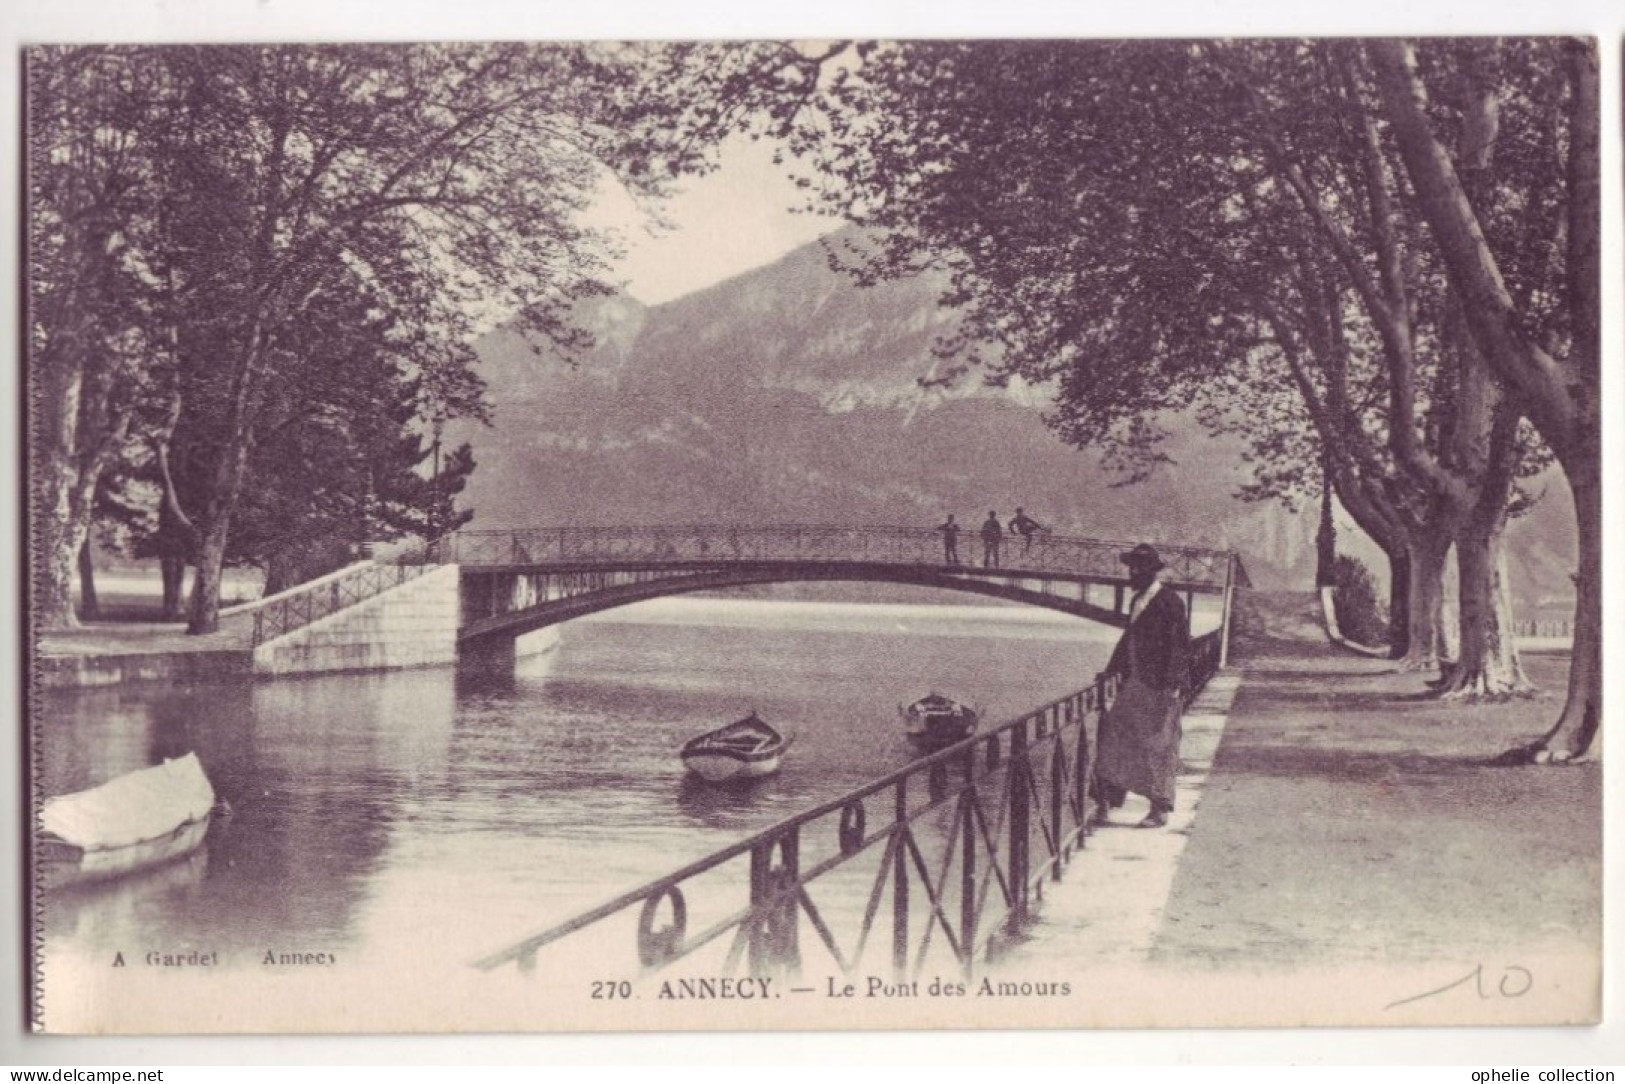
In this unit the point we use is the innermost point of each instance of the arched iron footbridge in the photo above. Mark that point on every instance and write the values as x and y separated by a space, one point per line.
518 581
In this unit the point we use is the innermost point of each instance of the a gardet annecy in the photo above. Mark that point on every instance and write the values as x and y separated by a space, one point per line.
835 534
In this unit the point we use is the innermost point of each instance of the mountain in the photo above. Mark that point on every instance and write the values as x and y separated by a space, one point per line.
789 394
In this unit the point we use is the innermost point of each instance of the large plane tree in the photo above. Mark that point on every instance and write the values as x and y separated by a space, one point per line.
90 315
1127 221
1533 308
195 211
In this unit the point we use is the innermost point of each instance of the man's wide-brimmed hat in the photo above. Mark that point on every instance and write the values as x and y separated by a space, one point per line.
1142 556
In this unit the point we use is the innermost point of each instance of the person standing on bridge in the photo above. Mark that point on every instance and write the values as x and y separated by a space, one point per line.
950 540
1139 733
992 535
1026 526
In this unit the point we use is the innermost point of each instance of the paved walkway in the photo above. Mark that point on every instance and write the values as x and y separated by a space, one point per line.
131 603
120 651
142 638
1078 921
1335 820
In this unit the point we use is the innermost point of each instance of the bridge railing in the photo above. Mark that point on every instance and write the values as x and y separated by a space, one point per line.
1044 553
928 866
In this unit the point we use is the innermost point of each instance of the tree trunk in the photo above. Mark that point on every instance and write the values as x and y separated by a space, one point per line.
1399 603
1558 393
64 503
176 545
1573 736
1489 663
280 573
211 560
59 542
82 422
211 557
226 487
89 607
1427 648
172 567
1326 536
58 531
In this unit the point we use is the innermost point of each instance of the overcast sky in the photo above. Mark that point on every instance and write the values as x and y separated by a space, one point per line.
729 221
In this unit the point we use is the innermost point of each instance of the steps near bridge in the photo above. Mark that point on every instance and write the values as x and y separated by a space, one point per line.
413 624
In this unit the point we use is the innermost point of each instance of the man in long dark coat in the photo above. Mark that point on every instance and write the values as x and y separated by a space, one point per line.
1139 735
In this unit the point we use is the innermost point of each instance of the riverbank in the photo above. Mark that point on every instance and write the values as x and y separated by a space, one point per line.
119 653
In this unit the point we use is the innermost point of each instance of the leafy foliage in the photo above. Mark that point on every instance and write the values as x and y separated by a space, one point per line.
1360 615
292 240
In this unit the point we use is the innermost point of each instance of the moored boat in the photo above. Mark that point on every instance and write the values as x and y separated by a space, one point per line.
747 749
936 720
134 822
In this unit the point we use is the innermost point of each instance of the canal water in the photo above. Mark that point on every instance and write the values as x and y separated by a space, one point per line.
443 817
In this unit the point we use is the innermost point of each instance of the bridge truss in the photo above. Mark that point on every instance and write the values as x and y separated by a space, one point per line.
516 581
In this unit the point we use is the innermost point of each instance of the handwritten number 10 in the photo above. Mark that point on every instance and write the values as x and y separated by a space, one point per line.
1515 981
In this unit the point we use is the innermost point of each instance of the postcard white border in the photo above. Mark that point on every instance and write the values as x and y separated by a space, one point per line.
29 21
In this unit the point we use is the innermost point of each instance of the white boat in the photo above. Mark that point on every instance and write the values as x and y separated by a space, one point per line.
136 821
935 720
747 749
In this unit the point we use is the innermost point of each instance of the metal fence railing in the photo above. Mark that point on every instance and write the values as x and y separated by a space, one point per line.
300 606
1561 629
1044 553
928 866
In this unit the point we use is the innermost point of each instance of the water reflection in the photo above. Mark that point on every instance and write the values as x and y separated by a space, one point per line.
98 911
724 806
427 816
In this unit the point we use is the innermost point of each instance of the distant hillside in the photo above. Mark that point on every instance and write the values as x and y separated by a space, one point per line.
789 394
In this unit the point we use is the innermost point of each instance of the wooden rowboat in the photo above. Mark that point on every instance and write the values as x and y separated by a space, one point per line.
747 749
935 720
134 822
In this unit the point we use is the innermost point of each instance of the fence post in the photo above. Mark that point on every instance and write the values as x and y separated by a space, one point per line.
899 890
787 911
1057 765
761 883
774 946
967 870
1020 825
1084 767
1224 620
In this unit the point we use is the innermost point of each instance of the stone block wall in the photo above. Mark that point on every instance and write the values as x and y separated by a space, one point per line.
165 668
414 624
